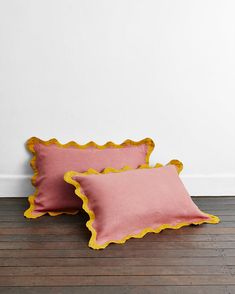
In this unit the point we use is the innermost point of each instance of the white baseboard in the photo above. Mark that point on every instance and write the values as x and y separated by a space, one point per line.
197 185
210 185
15 186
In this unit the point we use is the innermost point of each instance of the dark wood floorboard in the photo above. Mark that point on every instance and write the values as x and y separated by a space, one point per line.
50 255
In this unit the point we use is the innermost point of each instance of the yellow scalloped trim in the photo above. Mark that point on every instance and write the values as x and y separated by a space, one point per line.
178 164
68 177
34 140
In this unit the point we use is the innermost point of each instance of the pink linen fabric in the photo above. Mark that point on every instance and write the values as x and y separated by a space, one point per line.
52 159
134 202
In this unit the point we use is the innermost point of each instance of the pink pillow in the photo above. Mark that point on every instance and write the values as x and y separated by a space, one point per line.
52 159
131 203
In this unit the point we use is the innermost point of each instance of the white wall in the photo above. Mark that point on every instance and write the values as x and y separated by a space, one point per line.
111 70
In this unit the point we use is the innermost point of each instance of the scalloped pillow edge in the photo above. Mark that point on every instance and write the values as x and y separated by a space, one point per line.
68 177
34 140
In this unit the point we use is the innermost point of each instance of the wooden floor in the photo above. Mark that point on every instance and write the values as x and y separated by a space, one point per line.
50 255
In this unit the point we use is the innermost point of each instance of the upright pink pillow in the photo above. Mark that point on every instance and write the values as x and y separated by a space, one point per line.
132 203
52 159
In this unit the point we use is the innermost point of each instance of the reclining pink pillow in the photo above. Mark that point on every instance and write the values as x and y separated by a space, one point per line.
132 203
52 159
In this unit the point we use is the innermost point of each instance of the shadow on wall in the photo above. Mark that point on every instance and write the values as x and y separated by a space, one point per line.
25 186
27 170
19 185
